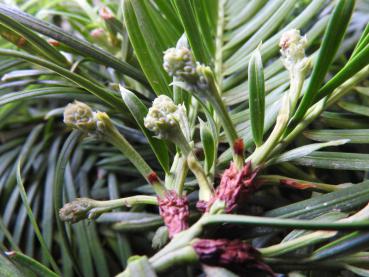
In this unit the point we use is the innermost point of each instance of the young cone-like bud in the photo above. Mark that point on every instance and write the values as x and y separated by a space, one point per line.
78 115
175 212
233 185
164 117
180 63
293 57
76 210
293 47
233 254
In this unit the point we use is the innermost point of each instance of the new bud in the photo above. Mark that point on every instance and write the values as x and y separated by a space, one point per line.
179 62
164 117
78 115
76 210
293 47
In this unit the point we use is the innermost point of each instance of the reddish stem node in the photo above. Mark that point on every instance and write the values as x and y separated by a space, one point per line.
238 146
153 178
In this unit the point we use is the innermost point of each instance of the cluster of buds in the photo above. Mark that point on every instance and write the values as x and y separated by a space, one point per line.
80 116
233 254
293 47
180 63
165 118
77 210
200 80
234 185
174 211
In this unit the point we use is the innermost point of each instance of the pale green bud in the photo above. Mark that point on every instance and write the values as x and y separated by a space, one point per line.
78 115
164 117
76 210
179 62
